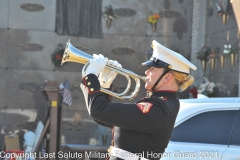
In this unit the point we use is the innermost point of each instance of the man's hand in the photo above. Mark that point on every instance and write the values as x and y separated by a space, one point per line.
96 65
107 76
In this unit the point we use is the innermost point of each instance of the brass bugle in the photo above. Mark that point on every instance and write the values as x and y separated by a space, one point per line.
72 54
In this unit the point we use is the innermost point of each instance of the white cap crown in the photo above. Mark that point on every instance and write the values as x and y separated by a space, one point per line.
176 60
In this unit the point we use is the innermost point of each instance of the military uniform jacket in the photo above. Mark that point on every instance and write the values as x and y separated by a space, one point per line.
143 128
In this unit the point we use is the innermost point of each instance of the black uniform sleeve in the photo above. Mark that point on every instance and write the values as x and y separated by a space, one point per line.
102 124
128 116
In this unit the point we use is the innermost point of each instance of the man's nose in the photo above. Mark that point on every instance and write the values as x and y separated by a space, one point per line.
146 72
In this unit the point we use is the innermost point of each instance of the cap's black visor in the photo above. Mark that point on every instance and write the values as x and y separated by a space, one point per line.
154 62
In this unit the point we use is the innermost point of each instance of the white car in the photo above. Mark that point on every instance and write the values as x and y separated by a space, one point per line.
206 128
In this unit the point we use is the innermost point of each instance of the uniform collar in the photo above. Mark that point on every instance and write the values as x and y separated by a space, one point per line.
163 93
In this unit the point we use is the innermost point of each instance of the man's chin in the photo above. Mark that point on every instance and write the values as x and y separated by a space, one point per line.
147 87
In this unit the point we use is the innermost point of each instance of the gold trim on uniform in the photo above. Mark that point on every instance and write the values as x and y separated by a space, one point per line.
149 94
91 89
89 83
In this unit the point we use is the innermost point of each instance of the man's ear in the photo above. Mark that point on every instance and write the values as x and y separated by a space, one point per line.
168 77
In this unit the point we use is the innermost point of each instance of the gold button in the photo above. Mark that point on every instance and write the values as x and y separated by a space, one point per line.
86 78
89 83
91 89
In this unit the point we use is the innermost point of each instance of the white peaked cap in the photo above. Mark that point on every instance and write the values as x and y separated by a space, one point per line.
163 57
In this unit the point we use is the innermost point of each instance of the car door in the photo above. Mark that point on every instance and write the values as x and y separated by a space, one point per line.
203 136
233 151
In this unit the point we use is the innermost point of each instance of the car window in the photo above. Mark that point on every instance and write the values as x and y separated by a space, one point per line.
213 127
235 140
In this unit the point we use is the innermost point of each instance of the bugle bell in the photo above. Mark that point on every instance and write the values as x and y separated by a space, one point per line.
72 54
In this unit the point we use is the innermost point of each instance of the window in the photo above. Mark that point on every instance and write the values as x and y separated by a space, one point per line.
236 132
210 127
79 18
